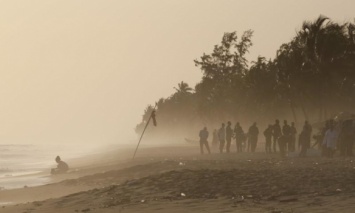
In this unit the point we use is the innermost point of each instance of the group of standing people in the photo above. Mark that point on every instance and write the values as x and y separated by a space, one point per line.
226 135
336 136
333 136
222 138
284 138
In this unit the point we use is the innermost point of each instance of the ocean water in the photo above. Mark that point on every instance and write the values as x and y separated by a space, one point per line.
29 165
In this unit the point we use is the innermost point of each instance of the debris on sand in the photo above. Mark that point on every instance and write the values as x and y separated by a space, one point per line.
288 199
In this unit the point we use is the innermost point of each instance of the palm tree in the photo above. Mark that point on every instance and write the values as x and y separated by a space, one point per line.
183 88
351 32
311 34
326 54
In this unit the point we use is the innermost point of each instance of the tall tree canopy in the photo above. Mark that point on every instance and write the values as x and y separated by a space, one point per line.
311 78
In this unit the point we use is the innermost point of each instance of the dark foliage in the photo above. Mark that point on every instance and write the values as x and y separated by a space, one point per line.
311 78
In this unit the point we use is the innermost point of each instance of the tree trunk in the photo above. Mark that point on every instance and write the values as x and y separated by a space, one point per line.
293 112
303 108
320 113
304 113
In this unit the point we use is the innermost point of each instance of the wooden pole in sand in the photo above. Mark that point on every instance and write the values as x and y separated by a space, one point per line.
150 117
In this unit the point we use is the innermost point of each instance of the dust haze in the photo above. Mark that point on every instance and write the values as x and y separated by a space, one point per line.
84 71
180 106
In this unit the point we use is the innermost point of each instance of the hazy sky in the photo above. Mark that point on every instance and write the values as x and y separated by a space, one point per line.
84 70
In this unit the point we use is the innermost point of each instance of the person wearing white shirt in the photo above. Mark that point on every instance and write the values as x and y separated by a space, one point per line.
330 140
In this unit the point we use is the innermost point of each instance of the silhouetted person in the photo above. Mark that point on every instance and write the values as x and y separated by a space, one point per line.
239 137
323 131
286 132
282 141
346 139
215 139
308 128
203 140
268 135
221 137
62 167
229 134
320 137
319 140
292 146
276 133
330 140
253 137
304 142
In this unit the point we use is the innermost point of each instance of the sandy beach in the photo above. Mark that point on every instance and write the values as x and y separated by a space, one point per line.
179 179
83 83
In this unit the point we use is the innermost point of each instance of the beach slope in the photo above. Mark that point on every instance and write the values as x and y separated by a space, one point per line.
188 182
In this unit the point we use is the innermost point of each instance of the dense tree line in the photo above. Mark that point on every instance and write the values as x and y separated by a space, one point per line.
311 78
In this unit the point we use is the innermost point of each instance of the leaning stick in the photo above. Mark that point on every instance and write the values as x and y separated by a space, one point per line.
140 139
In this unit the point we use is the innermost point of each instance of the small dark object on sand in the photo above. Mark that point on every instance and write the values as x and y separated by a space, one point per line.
288 199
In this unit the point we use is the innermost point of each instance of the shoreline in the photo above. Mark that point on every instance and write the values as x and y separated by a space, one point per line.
29 165
162 178
91 164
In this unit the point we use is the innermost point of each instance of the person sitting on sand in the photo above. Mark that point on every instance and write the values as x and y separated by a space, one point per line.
62 167
203 140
